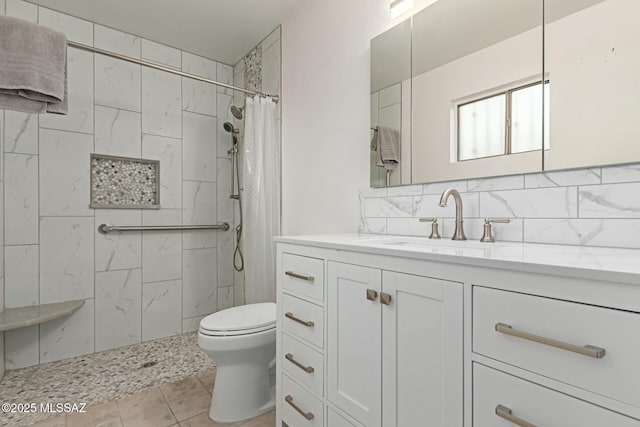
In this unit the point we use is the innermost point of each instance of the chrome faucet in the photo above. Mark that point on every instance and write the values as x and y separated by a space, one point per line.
458 233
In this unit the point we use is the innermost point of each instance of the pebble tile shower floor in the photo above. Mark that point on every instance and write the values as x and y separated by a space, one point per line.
105 376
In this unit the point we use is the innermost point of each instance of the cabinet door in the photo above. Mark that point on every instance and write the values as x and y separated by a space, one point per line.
422 354
353 341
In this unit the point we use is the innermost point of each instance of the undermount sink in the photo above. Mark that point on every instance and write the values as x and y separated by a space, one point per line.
437 243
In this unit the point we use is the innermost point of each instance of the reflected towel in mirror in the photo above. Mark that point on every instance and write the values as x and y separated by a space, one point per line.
386 141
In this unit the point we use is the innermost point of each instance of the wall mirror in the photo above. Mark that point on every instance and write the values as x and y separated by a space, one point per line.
480 104
592 59
477 98
391 104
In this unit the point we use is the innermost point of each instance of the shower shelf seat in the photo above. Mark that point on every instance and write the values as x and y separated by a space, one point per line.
20 317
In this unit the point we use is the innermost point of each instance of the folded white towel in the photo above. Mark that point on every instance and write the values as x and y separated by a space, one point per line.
386 142
33 67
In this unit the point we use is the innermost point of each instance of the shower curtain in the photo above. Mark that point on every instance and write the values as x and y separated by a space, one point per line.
261 207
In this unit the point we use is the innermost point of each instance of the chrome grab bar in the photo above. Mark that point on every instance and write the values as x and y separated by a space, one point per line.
506 413
307 369
587 350
300 276
105 228
307 323
308 415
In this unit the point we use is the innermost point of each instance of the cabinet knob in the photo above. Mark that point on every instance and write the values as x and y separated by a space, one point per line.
372 295
385 298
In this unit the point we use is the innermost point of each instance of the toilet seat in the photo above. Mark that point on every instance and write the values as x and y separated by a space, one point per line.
234 333
241 320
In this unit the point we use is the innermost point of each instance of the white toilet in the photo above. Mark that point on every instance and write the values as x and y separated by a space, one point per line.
242 341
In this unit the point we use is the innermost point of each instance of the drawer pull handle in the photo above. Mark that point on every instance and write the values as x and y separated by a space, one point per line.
307 369
587 350
504 412
300 276
308 415
307 323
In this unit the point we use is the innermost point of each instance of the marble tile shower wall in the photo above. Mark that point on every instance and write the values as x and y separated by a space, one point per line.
136 286
592 206
258 70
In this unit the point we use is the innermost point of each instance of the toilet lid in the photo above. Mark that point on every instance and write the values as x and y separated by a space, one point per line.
241 319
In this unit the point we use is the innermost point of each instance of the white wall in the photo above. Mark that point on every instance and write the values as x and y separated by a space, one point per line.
325 110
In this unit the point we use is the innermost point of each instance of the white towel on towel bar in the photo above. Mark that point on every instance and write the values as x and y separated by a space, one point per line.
386 141
33 67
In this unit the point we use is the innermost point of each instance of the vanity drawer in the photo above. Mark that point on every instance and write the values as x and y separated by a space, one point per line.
299 407
303 319
496 392
336 420
303 363
583 327
303 275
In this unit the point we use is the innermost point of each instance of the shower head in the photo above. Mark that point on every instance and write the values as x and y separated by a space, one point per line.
237 112
229 128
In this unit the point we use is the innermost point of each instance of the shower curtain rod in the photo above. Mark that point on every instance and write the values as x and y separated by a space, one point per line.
88 48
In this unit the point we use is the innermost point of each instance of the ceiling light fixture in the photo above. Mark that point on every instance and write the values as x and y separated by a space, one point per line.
398 7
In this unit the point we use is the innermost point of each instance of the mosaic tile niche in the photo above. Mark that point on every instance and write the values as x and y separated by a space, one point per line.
123 182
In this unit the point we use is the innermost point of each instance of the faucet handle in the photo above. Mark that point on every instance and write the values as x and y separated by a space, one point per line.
497 220
487 236
434 227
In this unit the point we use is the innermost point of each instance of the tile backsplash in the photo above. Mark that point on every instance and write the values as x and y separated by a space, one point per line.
136 286
592 206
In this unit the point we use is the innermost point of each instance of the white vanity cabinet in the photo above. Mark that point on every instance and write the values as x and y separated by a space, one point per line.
393 349
372 335
397 339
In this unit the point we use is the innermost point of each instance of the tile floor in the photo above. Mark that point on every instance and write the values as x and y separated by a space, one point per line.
184 403
104 377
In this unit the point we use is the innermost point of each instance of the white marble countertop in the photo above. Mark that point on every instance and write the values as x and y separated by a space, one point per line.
596 263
